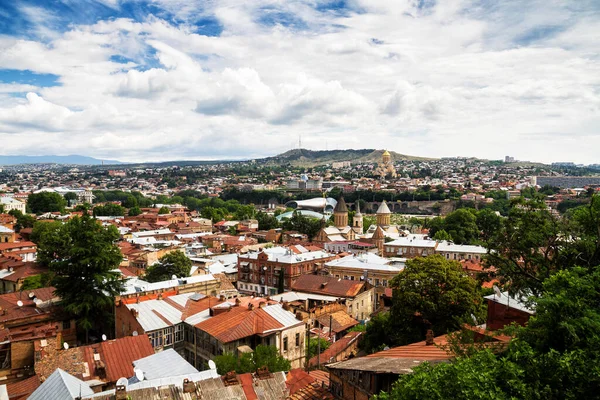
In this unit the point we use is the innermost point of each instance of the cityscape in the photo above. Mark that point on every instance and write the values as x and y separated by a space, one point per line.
300 200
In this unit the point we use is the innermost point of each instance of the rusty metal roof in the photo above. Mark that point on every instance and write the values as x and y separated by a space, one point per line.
327 285
340 321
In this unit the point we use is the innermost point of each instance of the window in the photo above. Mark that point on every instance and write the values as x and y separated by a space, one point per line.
66 324
179 333
377 282
285 344
297 339
168 336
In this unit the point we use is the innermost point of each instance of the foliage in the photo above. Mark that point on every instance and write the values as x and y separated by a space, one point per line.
164 210
249 362
173 263
431 293
109 210
525 249
461 225
82 255
42 229
358 328
313 346
442 235
70 197
555 356
43 202
23 220
303 224
266 221
37 281
134 211
378 333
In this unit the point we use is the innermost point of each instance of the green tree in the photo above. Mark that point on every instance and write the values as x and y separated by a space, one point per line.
43 202
442 235
378 333
164 210
23 220
431 293
82 255
70 197
42 229
37 281
263 356
314 346
173 263
266 221
134 211
462 226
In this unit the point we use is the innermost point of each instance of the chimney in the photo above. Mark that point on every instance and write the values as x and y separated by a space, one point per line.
262 304
121 392
250 306
222 297
237 302
429 337
59 344
188 386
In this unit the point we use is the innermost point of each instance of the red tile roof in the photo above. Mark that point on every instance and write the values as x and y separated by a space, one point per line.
340 321
418 351
335 349
8 303
23 389
296 379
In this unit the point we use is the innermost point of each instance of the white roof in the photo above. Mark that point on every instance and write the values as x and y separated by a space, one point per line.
512 302
284 317
151 233
164 364
4 229
135 285
383 208
284 255
199 317
410 241
147 310
61 386
9 200
460 248
218 268
174 380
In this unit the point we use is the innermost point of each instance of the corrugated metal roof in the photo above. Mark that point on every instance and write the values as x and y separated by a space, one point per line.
61 386
327 285
199 317
164 364
148 310
512 302
285 318
120 354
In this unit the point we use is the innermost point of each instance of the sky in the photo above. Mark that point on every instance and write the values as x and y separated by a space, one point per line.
156 80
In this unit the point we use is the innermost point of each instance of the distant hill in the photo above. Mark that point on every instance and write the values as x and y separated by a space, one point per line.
71 160
312 158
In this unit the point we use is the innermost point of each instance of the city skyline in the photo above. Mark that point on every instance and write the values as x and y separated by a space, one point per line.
195 80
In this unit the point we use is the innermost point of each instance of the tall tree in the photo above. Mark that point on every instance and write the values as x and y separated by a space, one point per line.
174 263
82 255
44 202
431 293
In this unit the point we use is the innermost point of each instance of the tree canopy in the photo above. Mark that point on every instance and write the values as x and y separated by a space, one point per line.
263 356
430 293
43 202
173 263
109 210
82 255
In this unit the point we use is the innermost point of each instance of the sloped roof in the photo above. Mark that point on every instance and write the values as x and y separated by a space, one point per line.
22 389
340 321
341 207
383 208
327 285
164 364
119 355
61 386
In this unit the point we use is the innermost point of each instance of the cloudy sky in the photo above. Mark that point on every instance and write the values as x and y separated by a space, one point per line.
139 80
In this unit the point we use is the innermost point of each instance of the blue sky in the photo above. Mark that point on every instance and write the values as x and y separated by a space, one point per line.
142 80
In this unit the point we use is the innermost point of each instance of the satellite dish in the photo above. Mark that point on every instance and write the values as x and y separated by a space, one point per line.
211 364
497 291
31 295
139 374
135 333
20 303
66 346
103 337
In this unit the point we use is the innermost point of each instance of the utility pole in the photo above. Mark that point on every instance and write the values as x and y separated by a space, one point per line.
307 344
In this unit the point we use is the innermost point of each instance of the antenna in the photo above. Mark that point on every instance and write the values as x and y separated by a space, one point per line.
211 364
103 337
139 374
20 303
174 277
135 333
31 295
66 346
122 382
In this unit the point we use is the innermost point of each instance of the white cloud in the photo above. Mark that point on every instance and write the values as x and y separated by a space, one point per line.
450 79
